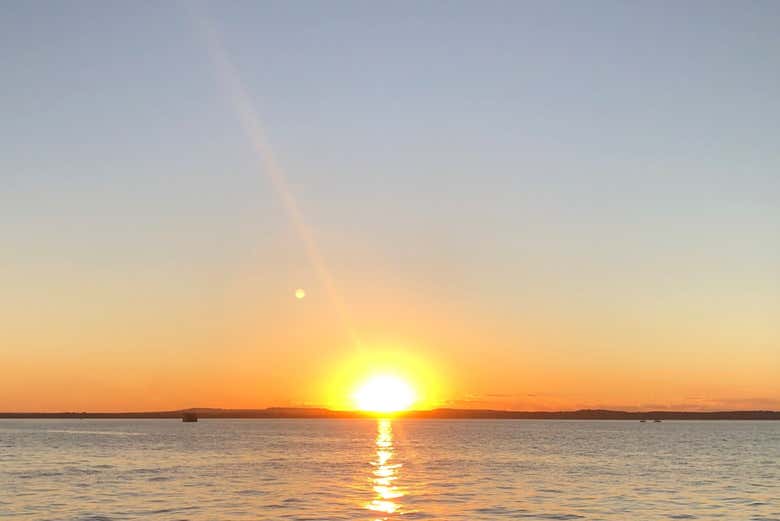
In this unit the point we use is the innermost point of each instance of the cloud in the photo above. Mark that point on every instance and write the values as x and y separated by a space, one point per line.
552 402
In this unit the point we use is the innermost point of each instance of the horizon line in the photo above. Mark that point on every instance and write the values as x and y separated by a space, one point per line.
324 412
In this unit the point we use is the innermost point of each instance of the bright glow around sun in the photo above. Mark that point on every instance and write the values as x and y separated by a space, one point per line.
384 393
383 379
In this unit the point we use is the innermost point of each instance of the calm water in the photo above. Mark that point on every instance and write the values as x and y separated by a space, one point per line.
359 469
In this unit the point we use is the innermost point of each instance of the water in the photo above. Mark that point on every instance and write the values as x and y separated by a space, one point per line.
100 470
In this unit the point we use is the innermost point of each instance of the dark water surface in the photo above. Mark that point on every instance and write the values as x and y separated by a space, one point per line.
413 469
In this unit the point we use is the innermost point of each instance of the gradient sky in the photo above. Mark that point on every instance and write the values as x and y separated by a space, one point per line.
521 205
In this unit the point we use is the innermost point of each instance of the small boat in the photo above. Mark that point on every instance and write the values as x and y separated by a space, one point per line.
642 421
657 421
189 417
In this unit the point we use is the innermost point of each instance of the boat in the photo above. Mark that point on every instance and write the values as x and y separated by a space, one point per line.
189 417
657 421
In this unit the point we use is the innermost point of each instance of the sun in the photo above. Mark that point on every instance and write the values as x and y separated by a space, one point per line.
385 394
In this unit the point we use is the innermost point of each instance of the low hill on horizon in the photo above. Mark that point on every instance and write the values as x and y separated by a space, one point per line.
442 413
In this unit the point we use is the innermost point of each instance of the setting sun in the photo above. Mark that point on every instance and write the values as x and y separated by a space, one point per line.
384 393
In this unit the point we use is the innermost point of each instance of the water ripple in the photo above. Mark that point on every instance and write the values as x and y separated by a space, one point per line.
103 470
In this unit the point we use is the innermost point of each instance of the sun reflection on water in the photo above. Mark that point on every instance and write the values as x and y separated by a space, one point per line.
385 473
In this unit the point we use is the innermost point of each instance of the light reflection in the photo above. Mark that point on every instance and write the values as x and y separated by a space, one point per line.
385 473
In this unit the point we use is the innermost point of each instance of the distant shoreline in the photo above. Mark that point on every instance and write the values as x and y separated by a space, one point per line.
451 414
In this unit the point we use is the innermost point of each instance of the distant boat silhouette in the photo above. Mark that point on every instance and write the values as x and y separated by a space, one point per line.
642 421
657 421
189 417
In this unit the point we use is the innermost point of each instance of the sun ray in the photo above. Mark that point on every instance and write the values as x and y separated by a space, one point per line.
238 96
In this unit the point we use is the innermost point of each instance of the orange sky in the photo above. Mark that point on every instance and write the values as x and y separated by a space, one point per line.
108 344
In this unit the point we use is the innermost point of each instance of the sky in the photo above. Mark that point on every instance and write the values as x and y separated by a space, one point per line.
514 205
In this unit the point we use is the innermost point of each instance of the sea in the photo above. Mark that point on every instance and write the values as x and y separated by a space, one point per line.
385 469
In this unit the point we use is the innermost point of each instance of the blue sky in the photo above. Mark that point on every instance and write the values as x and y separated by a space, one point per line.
598 160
